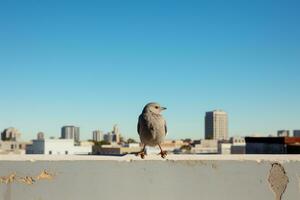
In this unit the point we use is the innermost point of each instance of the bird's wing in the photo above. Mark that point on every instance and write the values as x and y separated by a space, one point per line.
166 128
139 125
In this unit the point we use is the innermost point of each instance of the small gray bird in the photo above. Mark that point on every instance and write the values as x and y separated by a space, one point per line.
152 128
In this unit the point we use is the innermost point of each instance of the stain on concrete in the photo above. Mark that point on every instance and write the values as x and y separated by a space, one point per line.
45 175
27 180
8 179
278 180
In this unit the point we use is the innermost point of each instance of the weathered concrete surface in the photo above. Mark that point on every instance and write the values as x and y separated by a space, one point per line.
179 177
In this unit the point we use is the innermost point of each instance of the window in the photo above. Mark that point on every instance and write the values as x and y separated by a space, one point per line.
20 146
66 152
12 146
50 152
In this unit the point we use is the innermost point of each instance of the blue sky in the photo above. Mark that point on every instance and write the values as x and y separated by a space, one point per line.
96 63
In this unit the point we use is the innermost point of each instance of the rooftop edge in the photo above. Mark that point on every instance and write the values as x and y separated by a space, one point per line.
128 158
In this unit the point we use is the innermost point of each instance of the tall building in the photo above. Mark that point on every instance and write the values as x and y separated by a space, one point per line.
97 136
216 125
108 137
296 133
116 134
283 133
70 132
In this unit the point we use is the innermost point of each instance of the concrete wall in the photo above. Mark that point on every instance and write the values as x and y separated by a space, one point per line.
129 178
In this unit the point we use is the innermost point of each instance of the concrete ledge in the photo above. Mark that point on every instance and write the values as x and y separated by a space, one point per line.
178 177
256 158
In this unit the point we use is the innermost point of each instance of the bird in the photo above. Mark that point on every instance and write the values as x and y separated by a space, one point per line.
152 128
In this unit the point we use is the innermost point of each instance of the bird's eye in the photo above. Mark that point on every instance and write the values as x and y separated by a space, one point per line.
156 107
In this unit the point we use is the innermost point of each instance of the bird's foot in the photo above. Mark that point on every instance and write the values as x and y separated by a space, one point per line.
141 154
163 154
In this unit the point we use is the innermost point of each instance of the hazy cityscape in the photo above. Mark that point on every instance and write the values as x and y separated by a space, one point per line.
151 100
215 141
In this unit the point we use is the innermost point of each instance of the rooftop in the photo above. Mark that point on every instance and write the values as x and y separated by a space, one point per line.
210 177
256 158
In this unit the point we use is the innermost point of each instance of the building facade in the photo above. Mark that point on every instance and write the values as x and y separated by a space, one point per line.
57 147
216 125
11 143
71 132
97 136
238 145
272 145
10 134
296 133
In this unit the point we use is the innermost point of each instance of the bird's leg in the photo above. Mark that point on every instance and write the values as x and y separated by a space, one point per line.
142 153
162 153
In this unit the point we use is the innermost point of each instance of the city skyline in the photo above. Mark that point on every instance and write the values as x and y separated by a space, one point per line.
207 134
96 64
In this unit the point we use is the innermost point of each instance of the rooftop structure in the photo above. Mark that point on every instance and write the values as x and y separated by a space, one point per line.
272 145
57 147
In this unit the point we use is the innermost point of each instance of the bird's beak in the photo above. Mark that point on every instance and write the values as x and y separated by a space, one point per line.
163 108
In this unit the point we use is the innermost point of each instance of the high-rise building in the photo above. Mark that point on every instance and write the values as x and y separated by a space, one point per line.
216 125
296 133
116 134
108 137
70 132
283 133
97 136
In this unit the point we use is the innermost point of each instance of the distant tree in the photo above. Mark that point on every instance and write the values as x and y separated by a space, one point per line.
130 140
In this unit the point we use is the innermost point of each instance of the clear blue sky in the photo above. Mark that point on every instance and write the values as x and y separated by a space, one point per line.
96 63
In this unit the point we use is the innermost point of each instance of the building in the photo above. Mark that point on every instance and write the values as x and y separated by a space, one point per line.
57 147
272 145
216 125
10 134
97 136
71 132
108 137
206 147
116 134
224 148
238 145
40 136
296 133
116 150
11 143
13 147
170 146
283 133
